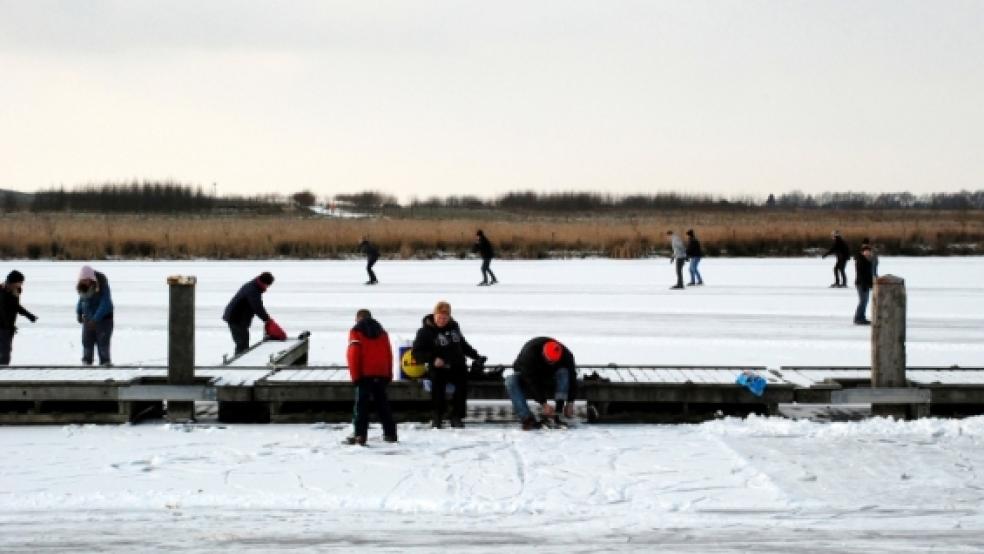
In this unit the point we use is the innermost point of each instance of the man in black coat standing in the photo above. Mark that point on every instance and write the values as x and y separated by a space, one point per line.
543 367
441 345
863 281
484 249
839 249
10 307
246 303
372 255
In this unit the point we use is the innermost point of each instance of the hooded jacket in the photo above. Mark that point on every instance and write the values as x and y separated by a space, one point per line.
245 304
99 305
446 343
9 308
369 352
538 374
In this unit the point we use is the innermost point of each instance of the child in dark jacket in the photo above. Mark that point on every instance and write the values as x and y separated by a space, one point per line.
370 363
10 307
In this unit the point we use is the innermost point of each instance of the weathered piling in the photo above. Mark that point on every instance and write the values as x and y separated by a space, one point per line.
888 343
181 343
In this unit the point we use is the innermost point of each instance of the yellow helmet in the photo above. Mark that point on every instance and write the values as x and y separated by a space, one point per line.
411 367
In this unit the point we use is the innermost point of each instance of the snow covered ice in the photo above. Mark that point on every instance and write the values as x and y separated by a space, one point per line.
761 484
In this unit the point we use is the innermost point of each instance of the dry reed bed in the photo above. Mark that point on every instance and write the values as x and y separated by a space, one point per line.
64 236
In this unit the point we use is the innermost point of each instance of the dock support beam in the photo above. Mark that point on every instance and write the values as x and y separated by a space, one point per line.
888 343
181 343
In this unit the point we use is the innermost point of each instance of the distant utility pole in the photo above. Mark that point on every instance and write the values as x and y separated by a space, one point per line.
214 186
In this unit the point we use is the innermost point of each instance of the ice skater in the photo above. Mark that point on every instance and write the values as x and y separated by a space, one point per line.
484 249
94 311
10 308
679 256
370 364
372 255
694 253
245 304
544 366
843 253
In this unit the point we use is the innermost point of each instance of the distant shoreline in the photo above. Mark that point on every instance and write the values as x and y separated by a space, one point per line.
61 236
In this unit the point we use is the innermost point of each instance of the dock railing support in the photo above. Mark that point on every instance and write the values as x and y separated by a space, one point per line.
888 315
181 343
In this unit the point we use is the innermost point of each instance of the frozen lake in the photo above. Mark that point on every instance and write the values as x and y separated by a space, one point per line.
762 484
767 312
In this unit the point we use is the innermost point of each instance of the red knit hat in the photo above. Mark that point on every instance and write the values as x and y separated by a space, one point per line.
552 351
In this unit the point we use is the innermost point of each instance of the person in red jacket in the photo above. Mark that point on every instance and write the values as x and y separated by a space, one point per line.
370 363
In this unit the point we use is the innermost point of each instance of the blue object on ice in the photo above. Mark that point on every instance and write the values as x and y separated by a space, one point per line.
752 382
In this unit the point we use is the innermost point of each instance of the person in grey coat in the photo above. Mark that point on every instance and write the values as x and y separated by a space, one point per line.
679 256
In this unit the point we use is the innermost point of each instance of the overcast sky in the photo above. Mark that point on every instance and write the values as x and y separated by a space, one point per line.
421 98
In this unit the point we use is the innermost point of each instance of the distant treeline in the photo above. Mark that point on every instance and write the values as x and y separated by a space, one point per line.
567 202
172 197
140 197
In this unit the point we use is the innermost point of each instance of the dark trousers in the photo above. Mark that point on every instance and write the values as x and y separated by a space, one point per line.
6 345
486 272
679 271
440 377
369 263
840 276
369 391
863 295
96 336
240 336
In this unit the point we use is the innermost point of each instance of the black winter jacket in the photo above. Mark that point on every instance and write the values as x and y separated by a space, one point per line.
369 249
445 343
245 304
839 249
538 374
863 272
9 308
483 247
693 248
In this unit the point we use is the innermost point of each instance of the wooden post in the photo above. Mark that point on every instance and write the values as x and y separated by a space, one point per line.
888 340
181 343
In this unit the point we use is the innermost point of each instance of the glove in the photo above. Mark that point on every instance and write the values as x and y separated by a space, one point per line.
672 259
79 318
32 318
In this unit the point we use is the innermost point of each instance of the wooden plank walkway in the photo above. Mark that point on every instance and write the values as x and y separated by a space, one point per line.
60 394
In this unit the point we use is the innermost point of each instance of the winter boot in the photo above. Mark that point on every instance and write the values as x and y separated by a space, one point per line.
456 423
389 438
355 440
530 423
436 422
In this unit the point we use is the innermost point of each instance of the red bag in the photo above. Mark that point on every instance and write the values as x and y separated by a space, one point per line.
272 331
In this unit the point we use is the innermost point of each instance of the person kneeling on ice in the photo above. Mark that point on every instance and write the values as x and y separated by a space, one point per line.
245 304
370 363
543 365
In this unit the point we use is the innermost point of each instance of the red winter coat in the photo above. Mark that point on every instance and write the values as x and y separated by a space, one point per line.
369 352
